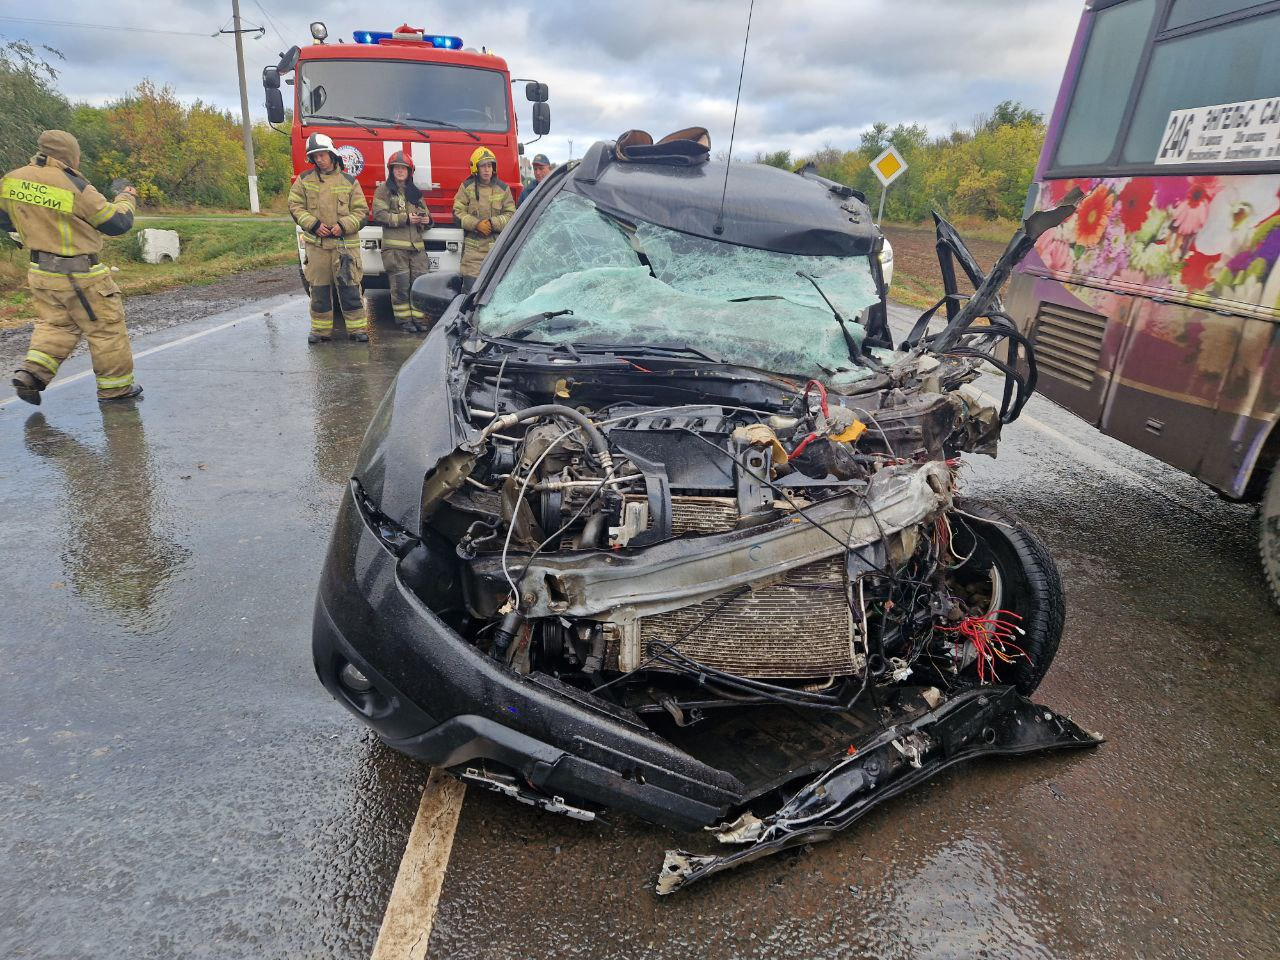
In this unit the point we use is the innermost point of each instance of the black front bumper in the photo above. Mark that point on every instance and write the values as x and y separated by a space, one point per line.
438 699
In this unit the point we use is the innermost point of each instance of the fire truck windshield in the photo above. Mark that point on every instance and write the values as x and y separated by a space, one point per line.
468 98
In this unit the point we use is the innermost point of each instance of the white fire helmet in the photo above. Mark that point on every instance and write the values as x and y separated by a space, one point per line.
321 143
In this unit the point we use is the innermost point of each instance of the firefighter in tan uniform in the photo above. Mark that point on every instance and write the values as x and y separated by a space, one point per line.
329 206
62 219
399 208
483 206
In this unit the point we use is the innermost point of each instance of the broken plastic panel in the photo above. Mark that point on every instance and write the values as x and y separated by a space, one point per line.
653 286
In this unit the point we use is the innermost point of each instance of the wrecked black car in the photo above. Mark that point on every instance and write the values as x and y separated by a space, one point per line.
658 519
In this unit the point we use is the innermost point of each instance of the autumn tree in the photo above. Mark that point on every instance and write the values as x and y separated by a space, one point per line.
29 101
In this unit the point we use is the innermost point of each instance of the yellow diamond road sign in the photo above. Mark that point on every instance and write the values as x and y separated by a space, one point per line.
889 166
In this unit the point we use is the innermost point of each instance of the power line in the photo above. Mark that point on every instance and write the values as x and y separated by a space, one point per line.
271 20
101 26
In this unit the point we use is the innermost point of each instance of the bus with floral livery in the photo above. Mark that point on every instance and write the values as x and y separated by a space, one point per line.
1155 310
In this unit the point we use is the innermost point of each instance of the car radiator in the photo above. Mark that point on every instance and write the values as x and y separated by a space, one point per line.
797 626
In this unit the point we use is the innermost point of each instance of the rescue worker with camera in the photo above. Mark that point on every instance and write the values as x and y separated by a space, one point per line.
398 206
61 219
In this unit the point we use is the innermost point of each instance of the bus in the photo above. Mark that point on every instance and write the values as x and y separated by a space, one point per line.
404 89
1155 309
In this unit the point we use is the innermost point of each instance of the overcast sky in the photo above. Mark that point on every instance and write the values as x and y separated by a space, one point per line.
818 71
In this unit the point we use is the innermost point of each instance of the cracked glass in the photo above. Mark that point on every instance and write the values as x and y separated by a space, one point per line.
643 284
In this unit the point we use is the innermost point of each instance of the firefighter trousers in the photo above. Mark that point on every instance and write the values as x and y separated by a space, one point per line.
403 267
62 320
334 273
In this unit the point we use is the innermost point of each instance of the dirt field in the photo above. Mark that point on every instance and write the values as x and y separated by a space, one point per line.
916 281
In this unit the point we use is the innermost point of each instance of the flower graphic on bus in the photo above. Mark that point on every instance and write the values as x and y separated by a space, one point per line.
1202 236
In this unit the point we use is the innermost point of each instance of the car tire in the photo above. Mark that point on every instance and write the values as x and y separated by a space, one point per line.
1028 583
1269 536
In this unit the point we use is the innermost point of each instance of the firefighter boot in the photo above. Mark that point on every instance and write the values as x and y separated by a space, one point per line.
316 338
27 387
135 393
360 336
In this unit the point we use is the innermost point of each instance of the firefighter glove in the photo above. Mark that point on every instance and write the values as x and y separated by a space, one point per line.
485 227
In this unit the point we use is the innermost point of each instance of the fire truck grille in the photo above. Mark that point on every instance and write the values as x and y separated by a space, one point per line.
797 626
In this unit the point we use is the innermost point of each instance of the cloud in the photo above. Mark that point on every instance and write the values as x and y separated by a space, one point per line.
818 71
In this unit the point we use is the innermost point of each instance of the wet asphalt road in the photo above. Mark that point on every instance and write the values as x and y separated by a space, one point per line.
175 783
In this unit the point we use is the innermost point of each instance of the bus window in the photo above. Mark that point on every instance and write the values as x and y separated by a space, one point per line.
1193 11
1115 47
1224 65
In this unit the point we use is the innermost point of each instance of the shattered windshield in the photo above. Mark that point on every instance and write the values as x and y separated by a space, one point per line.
645 285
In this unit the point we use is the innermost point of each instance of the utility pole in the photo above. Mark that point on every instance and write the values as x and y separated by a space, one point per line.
250 167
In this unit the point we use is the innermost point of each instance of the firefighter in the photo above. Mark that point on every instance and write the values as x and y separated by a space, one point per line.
398 206
483 206
329 206
61 219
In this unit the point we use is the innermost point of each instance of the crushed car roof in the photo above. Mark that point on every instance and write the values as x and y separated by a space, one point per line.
764 207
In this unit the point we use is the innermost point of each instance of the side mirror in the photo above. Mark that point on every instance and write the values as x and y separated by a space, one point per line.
541 118
536 92
271 78
433 292
288 60
275 106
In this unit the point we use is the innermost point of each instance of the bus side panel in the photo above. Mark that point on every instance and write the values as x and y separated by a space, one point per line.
1247 411
1077 341
1166 387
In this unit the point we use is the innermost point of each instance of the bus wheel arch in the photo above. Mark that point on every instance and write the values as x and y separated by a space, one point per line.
1266 479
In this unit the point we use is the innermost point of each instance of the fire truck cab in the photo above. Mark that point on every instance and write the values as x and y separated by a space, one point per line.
426 94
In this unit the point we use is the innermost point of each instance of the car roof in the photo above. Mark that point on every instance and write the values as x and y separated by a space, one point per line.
764 207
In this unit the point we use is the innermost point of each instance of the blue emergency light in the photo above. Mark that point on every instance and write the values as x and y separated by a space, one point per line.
377 36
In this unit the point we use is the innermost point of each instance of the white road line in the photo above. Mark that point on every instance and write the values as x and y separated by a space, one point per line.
63 381
406 926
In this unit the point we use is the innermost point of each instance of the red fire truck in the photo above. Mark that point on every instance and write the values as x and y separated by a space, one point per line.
426 94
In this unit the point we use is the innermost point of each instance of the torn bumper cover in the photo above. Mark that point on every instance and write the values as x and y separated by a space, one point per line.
994 721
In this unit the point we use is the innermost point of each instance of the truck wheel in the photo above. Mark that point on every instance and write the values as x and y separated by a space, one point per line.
1269 535
1008 568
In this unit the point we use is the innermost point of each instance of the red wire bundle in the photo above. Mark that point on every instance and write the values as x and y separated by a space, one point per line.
991 638
822 396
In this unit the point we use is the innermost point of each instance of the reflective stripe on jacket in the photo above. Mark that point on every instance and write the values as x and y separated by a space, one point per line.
57 211
474 202
391 209
332 197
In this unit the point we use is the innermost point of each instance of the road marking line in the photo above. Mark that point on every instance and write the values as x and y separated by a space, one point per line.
63 381
406 926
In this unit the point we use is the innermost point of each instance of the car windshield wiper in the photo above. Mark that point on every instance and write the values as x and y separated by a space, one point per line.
651 348
336 119
444 123
855 352
520 328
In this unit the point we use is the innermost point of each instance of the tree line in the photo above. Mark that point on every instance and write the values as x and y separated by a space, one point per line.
174 153
983 171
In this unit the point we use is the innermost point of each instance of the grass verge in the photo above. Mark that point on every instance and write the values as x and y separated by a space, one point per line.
210 251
